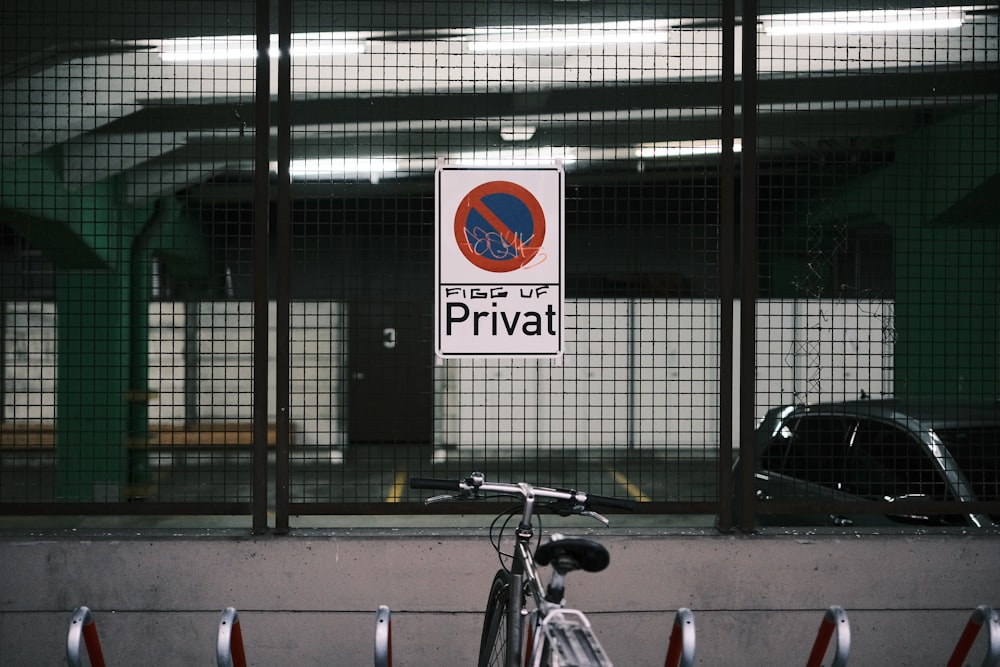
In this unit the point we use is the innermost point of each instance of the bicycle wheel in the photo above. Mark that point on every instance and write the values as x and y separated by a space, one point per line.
493 646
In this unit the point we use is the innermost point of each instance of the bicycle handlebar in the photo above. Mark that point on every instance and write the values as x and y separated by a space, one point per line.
476 483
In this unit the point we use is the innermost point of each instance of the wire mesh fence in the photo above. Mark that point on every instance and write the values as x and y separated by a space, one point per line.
219 230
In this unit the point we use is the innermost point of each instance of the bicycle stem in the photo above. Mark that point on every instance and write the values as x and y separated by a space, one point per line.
524 529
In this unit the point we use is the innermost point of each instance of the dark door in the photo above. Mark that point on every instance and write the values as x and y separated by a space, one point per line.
391 373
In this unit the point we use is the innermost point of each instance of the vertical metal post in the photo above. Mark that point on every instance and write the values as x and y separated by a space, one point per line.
3 358
633 368
191 317
261 207
748 258
283 261
727 260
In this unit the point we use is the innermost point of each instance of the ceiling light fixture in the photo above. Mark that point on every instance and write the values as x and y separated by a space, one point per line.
244 47
562 37
319 167
517 133
684 148
857 22
516 158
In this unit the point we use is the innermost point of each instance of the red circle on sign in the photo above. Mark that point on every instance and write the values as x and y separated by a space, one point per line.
499 226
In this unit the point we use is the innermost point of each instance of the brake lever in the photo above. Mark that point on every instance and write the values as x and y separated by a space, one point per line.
462 495
594 515
440 499
580 510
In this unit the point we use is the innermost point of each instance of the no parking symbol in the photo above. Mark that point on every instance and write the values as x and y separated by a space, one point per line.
500 227
499 262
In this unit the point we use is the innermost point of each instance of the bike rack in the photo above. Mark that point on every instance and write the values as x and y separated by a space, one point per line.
680 651
383 637
229 645
834 621
83 632
982 615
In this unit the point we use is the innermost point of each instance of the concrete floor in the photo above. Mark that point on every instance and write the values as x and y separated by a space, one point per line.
379 474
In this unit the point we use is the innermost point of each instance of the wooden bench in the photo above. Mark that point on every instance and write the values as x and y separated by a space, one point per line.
32 436
41 436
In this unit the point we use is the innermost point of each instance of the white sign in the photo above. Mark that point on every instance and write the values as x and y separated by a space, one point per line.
499 262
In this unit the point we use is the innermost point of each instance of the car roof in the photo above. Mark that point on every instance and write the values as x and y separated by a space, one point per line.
935 413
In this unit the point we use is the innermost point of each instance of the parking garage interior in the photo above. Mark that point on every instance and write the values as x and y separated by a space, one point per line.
218 225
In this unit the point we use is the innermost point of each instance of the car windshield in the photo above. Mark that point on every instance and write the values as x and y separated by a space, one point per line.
977 452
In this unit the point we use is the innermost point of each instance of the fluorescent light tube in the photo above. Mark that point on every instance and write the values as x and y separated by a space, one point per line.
244 47
317 167
516 158
562 37
858 22
517 133
684 148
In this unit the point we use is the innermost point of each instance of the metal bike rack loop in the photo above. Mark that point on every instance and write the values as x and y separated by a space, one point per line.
83 632
680 651
982 615
383 637
229 645
834 621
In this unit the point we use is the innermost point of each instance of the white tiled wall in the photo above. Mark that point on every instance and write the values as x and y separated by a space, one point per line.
29 363
636 372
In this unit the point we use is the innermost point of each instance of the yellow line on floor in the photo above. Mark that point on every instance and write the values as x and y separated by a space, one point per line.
398 487
634 492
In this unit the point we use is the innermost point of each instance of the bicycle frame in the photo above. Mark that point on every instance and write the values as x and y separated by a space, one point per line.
548 619
522 567
523 574
559 636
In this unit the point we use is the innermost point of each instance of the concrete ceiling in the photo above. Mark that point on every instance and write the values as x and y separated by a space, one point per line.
91 81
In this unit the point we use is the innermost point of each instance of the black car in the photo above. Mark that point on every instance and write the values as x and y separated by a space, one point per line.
883 450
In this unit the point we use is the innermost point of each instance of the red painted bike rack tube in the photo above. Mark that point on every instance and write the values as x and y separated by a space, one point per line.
982 615
834 622
83 632
680 651
383 637
229 650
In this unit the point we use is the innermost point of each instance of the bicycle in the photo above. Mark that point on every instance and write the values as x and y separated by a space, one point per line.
549 633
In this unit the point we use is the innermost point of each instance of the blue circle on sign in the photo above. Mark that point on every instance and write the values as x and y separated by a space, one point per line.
499 226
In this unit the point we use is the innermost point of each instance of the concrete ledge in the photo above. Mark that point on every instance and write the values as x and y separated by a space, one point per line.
303 598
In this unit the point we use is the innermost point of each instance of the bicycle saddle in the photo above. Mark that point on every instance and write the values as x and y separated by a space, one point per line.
571 553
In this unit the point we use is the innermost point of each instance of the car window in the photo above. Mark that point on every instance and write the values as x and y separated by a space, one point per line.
886 461
811 447
977 452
